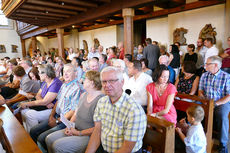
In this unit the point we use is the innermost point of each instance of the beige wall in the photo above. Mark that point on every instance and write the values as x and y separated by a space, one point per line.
161 29
107 36
10 37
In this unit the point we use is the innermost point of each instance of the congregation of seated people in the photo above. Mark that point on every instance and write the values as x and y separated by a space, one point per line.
98 100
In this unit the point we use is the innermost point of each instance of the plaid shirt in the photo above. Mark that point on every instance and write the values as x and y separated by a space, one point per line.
124 120
68 96
215 86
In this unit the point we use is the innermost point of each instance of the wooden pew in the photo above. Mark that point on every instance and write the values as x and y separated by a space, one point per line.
15 138
208 106
160 135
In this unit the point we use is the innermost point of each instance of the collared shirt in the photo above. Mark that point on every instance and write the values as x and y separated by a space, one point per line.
195 140
124 120
79 73
202 51
27 85
91 55
28 70
215 86
68 96
138 88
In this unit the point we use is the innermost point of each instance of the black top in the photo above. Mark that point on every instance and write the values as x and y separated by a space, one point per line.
192 57
175 63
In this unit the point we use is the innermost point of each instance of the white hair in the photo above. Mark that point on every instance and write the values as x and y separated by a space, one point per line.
217 60
118 63
118 72
71 66
164 56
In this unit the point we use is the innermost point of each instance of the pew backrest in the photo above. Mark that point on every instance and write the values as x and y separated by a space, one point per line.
15 138
159 136
182 104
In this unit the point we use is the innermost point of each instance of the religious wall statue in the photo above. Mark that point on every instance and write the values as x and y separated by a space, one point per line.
85 47
2 49
208 32
96 43
178 35
14 48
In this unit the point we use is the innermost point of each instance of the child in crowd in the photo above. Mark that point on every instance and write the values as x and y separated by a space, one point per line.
195 140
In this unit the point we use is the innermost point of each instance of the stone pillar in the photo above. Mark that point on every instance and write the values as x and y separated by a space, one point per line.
23 47
75 36
128 14
60 37
34 44
227 23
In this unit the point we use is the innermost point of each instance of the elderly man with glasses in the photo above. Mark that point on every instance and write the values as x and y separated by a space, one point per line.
120 122
215 84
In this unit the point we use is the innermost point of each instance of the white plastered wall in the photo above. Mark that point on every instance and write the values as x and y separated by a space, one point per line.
107 37
10 37
161 29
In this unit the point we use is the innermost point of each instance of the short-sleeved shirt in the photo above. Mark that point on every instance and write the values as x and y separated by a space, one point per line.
159 102
192 57
123 120
215 86
28 85
68 96
185 85
54 87
195 140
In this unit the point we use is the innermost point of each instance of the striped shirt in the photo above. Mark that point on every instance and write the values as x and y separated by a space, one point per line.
215 86
68 96
124 120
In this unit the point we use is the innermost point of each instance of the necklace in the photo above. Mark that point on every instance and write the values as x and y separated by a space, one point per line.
161 88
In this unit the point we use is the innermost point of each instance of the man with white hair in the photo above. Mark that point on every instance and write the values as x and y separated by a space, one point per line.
120 122
163 59
93 53
120 64
215 84
94 64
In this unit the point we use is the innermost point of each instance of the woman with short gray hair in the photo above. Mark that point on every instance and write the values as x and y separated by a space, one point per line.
36 111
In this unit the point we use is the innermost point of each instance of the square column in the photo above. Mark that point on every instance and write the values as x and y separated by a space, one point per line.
60 37
128 14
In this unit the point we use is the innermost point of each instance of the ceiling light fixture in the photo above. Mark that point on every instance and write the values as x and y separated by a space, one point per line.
62 3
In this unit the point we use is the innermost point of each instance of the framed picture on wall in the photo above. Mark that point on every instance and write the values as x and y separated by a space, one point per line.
2 49
14 48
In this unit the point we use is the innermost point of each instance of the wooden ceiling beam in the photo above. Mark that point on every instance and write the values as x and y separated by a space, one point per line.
78 2
44 9
38 16
56 5
42 13
102 11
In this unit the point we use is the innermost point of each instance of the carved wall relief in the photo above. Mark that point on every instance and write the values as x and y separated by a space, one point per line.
208 32
96 43
178 35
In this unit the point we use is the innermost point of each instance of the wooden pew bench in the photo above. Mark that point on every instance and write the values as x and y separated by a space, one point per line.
160 134
208 106
13 136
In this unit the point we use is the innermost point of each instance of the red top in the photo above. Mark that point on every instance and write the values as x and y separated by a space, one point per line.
109 59
226 61
122 54
159 102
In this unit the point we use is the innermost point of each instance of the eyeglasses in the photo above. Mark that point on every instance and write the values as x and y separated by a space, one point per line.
41 72
109 81
209 63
